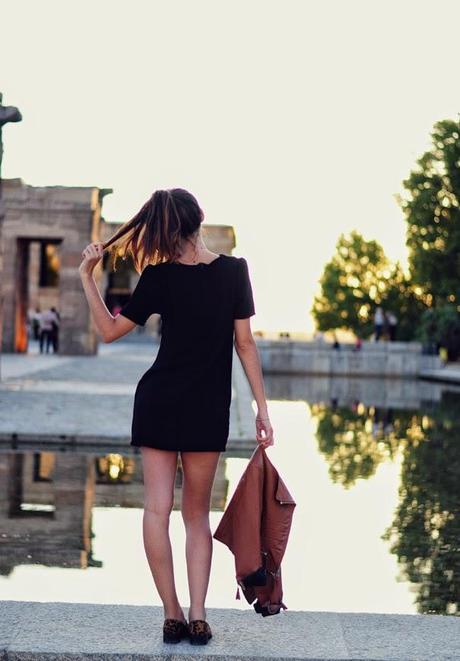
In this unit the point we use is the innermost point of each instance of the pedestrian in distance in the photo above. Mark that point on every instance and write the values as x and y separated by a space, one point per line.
182 402
379 323
55 323
392 325
336 343
47 320
35 323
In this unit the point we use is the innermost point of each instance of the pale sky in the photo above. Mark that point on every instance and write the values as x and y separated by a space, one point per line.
292 120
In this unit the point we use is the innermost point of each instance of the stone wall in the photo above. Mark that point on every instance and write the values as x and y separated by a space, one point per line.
69 217
383 359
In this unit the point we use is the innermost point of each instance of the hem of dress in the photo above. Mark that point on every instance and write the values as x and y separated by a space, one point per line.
159 447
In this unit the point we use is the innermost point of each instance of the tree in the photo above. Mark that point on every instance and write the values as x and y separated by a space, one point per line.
440 326
432 212
356 442
358 278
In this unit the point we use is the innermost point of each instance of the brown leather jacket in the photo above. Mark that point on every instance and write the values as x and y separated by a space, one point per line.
255 526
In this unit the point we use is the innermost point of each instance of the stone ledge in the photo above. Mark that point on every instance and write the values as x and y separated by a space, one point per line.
59 630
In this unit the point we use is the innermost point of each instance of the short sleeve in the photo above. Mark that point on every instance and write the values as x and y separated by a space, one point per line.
244 300
145 299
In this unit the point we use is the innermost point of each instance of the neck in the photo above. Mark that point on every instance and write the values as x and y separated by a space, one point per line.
193 249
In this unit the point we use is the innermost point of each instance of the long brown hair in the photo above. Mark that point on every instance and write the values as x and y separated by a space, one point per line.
155 233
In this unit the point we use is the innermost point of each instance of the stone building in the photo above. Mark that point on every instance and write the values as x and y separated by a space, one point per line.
44 232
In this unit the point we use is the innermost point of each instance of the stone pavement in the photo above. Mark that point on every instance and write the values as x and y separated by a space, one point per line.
39 630
55 400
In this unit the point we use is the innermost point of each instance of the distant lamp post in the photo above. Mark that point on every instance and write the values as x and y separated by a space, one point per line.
7 114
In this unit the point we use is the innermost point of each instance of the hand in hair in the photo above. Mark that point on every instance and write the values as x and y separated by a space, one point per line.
92 254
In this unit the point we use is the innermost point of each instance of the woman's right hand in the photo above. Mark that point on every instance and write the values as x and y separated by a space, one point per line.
92 254
264 431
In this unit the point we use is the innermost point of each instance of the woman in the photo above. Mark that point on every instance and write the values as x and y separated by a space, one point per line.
182 402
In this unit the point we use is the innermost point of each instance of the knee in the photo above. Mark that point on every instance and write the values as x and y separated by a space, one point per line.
160 509
196 517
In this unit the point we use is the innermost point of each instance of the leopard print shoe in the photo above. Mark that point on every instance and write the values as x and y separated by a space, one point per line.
174 630
199 632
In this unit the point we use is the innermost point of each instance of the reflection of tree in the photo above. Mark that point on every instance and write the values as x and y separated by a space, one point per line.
356 441
425 532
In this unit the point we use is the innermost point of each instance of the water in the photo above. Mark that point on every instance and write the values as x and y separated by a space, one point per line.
374 468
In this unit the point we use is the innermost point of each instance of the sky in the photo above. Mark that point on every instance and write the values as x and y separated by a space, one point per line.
292 120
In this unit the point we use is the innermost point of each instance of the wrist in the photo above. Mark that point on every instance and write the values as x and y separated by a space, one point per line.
86 275
262 412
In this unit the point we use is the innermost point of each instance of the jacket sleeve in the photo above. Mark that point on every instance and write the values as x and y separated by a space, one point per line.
277 520
240 525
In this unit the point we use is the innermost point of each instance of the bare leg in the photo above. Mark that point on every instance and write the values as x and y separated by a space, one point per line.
199 470
159 468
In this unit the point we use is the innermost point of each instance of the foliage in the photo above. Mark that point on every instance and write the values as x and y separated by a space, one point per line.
425 531
440 326
431 208
358 278
355 442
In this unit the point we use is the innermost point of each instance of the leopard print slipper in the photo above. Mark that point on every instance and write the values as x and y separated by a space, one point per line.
174 630
199 632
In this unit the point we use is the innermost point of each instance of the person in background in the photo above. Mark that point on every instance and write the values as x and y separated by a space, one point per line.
392 325
35 323
55 329
379 322
46 339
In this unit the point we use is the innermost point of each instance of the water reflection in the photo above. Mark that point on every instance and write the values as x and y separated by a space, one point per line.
48 498
425 533
79 510
356 440
356 436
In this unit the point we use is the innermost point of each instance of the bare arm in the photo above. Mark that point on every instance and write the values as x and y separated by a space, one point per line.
109 327
247 351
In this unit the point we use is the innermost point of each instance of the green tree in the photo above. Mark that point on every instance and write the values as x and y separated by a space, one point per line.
431 208
358 278
440 326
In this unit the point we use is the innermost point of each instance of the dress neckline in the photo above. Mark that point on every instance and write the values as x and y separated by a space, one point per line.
216 259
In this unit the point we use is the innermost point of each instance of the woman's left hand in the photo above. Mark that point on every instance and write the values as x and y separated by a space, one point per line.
92 254
264 431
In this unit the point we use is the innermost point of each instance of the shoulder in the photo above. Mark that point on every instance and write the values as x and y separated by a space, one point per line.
150 274
237 263
154 269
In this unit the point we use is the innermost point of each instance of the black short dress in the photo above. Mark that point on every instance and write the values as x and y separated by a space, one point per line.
182 402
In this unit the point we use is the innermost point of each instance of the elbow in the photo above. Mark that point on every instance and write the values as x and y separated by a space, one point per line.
108 335
246 344
107 338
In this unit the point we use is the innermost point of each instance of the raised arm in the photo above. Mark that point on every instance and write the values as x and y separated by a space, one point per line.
109 327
